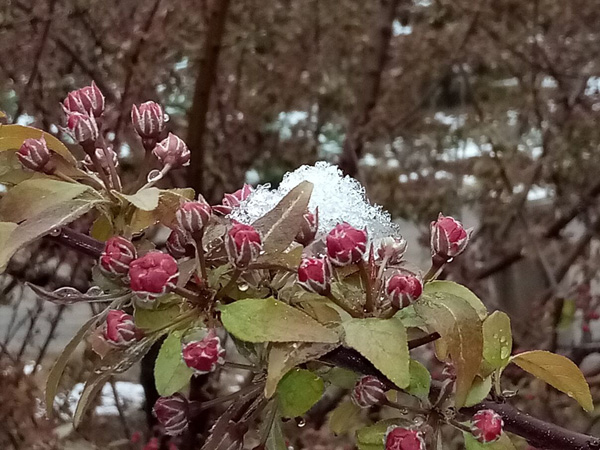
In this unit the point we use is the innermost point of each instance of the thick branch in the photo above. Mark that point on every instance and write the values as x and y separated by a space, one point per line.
202 92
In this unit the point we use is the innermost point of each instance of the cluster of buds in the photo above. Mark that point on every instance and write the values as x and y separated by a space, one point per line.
314 275
117 255
204 356
172 151
153 275
101 156
148 120
368 391
230 201
173 413
346 245
403 290
392 250
35 155
486 426
448 237
193 216
82 108
243 244
119 328
83 128
177 243
398 438
308 228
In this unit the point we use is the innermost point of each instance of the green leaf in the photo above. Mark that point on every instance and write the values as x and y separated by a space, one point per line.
269 320
33 196
420 380
559 372
53 380
319 309
567 315
102 228
170 371
503 443
343 378
38 226
91 388
371 437
479 390
344 417
13 136
497 340
439 288
285 356
298 391
384 343
276 439
168 203
153 319
280 226
145 199
461 336
410 319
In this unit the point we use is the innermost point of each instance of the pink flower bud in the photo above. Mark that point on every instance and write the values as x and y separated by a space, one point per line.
448 237
87 100
308 228
346 245
35 155
368 391
117 255
172 150
173 414
148 120
82 127
487 426
120 328
204 356
314 275
101 156
193 216
243 245
152 444
398 438
402 290
177 243
153 274
392 249
230 201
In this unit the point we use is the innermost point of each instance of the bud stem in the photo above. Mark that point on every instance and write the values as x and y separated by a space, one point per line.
364 275
401 407
62 176
456 424
144 171
342 304
159 177
437 264
200 254
235 365
116 180
225 289
187 293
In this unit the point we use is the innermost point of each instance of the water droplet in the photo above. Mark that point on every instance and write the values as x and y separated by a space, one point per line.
300 422
504 352
243 287
495 335
419 421
167 118
154 175
402 411
94 291
55 232
503 340
570 393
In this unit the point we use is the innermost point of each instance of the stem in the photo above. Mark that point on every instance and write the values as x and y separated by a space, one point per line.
63 177
197 407
342 304
437 264
200 255
187 293
406 409
456 424
159 177
369 306
225 289
144 170
235 365
116 181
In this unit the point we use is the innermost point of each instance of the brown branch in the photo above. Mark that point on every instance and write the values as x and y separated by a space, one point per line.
202 92
369 90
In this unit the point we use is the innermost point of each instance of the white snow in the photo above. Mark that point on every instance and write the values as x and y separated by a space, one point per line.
339 199
131 396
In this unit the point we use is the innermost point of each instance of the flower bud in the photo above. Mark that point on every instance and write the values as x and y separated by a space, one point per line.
346 245
173 414
204 356
392 249
314 275
243 245
148 120
153 274
448 237
308 228
487 426
117 255
101 157
35 155
172 150
87 100
368 391
120 328
177 242
193 216
230 201
398 438
402 290
82 127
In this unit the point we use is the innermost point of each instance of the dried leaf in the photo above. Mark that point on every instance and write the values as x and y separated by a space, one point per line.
145 199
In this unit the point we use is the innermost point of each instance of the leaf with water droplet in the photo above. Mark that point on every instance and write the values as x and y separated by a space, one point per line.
420 380
441 288
497 340
559 372
479 390
269 320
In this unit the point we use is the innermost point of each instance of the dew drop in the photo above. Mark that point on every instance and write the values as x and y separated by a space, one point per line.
243 287
300 422
167 118
495 335
154 175
504 352
55 232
